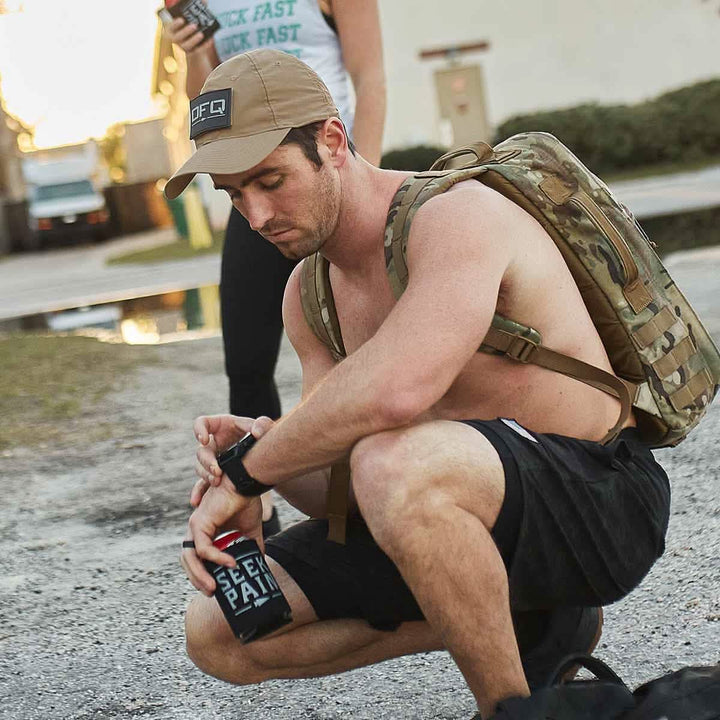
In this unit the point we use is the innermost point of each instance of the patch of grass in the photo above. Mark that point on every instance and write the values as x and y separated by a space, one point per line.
52 387
178 250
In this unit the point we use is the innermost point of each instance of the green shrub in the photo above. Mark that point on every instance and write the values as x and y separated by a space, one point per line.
678 126
418 157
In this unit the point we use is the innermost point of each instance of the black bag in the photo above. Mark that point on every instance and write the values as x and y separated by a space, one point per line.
692 693
607 698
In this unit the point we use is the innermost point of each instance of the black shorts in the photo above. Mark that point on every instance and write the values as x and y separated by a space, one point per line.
581 524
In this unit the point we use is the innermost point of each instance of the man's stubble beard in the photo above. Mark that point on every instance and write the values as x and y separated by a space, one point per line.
326 210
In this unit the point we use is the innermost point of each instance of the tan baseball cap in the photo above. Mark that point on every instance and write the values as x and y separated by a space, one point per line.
247 106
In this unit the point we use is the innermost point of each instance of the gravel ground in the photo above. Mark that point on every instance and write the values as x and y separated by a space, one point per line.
92 596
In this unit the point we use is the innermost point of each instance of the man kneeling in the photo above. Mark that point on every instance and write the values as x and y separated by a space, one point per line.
487 518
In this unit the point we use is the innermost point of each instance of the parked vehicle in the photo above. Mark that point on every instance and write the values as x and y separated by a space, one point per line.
65 200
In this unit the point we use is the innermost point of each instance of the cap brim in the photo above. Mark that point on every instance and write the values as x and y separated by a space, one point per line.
224 157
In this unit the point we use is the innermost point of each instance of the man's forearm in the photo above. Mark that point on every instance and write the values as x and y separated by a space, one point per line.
349 404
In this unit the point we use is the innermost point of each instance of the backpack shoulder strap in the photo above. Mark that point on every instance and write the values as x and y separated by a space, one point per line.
318 304
523 344
318 307
414 191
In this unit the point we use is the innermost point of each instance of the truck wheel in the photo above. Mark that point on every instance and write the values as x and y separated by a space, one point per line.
33 242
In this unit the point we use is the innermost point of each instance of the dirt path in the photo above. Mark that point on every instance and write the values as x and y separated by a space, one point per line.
92 596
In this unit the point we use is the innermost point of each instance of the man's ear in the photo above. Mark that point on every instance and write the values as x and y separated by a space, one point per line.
332 135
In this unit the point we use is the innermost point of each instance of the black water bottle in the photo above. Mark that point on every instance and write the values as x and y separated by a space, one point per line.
248 594
194 11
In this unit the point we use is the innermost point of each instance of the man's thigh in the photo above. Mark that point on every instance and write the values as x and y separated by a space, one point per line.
307 647
357 579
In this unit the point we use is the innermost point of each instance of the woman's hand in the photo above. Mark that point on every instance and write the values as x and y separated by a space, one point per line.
187 36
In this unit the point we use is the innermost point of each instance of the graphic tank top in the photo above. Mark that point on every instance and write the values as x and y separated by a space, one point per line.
294 26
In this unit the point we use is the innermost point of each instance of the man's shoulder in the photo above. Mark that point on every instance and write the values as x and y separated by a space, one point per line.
294 278
468 209
291 298
467 199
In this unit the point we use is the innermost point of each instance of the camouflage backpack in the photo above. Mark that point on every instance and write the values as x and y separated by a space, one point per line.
666 362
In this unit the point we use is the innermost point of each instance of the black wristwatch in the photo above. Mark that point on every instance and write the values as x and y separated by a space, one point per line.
230 462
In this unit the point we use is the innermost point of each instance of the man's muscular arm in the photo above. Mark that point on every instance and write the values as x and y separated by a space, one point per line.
306 492
434 329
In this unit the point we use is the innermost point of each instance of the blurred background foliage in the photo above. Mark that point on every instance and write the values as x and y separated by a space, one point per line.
679 129
681 126
676 131
417 157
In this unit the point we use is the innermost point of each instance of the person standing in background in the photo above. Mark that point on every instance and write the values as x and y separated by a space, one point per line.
341 41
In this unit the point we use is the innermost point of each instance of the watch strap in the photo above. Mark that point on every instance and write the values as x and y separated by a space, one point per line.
245 483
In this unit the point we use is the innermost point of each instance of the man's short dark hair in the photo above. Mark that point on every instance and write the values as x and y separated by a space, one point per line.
306 138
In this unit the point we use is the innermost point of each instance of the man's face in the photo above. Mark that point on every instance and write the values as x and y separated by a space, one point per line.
287 199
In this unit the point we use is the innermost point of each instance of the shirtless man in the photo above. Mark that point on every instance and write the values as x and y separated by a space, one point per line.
460 515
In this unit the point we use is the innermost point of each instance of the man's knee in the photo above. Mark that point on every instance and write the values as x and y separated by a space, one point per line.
411 478
392 480
373 459
213 648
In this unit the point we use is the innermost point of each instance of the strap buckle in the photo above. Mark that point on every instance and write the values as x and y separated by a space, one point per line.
521 349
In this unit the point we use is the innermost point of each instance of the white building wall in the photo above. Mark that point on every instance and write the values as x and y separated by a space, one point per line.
544 54
147 152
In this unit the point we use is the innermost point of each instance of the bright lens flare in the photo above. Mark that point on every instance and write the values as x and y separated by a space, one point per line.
72 69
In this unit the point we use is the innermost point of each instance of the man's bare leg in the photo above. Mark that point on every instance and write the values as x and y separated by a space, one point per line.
430 495
306 648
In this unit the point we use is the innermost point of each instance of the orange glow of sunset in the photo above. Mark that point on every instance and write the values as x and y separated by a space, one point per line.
71 69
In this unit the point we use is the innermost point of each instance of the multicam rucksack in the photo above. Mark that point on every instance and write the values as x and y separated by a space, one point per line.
667 364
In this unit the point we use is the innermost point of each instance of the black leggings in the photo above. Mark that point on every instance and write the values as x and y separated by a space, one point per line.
252 282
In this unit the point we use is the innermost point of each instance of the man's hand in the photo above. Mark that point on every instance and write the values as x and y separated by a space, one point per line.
216 433
222 508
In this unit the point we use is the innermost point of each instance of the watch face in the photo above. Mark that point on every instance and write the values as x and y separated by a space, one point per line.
231 463
236 451
224 457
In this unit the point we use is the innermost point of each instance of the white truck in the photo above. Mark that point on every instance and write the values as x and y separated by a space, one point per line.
65 201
